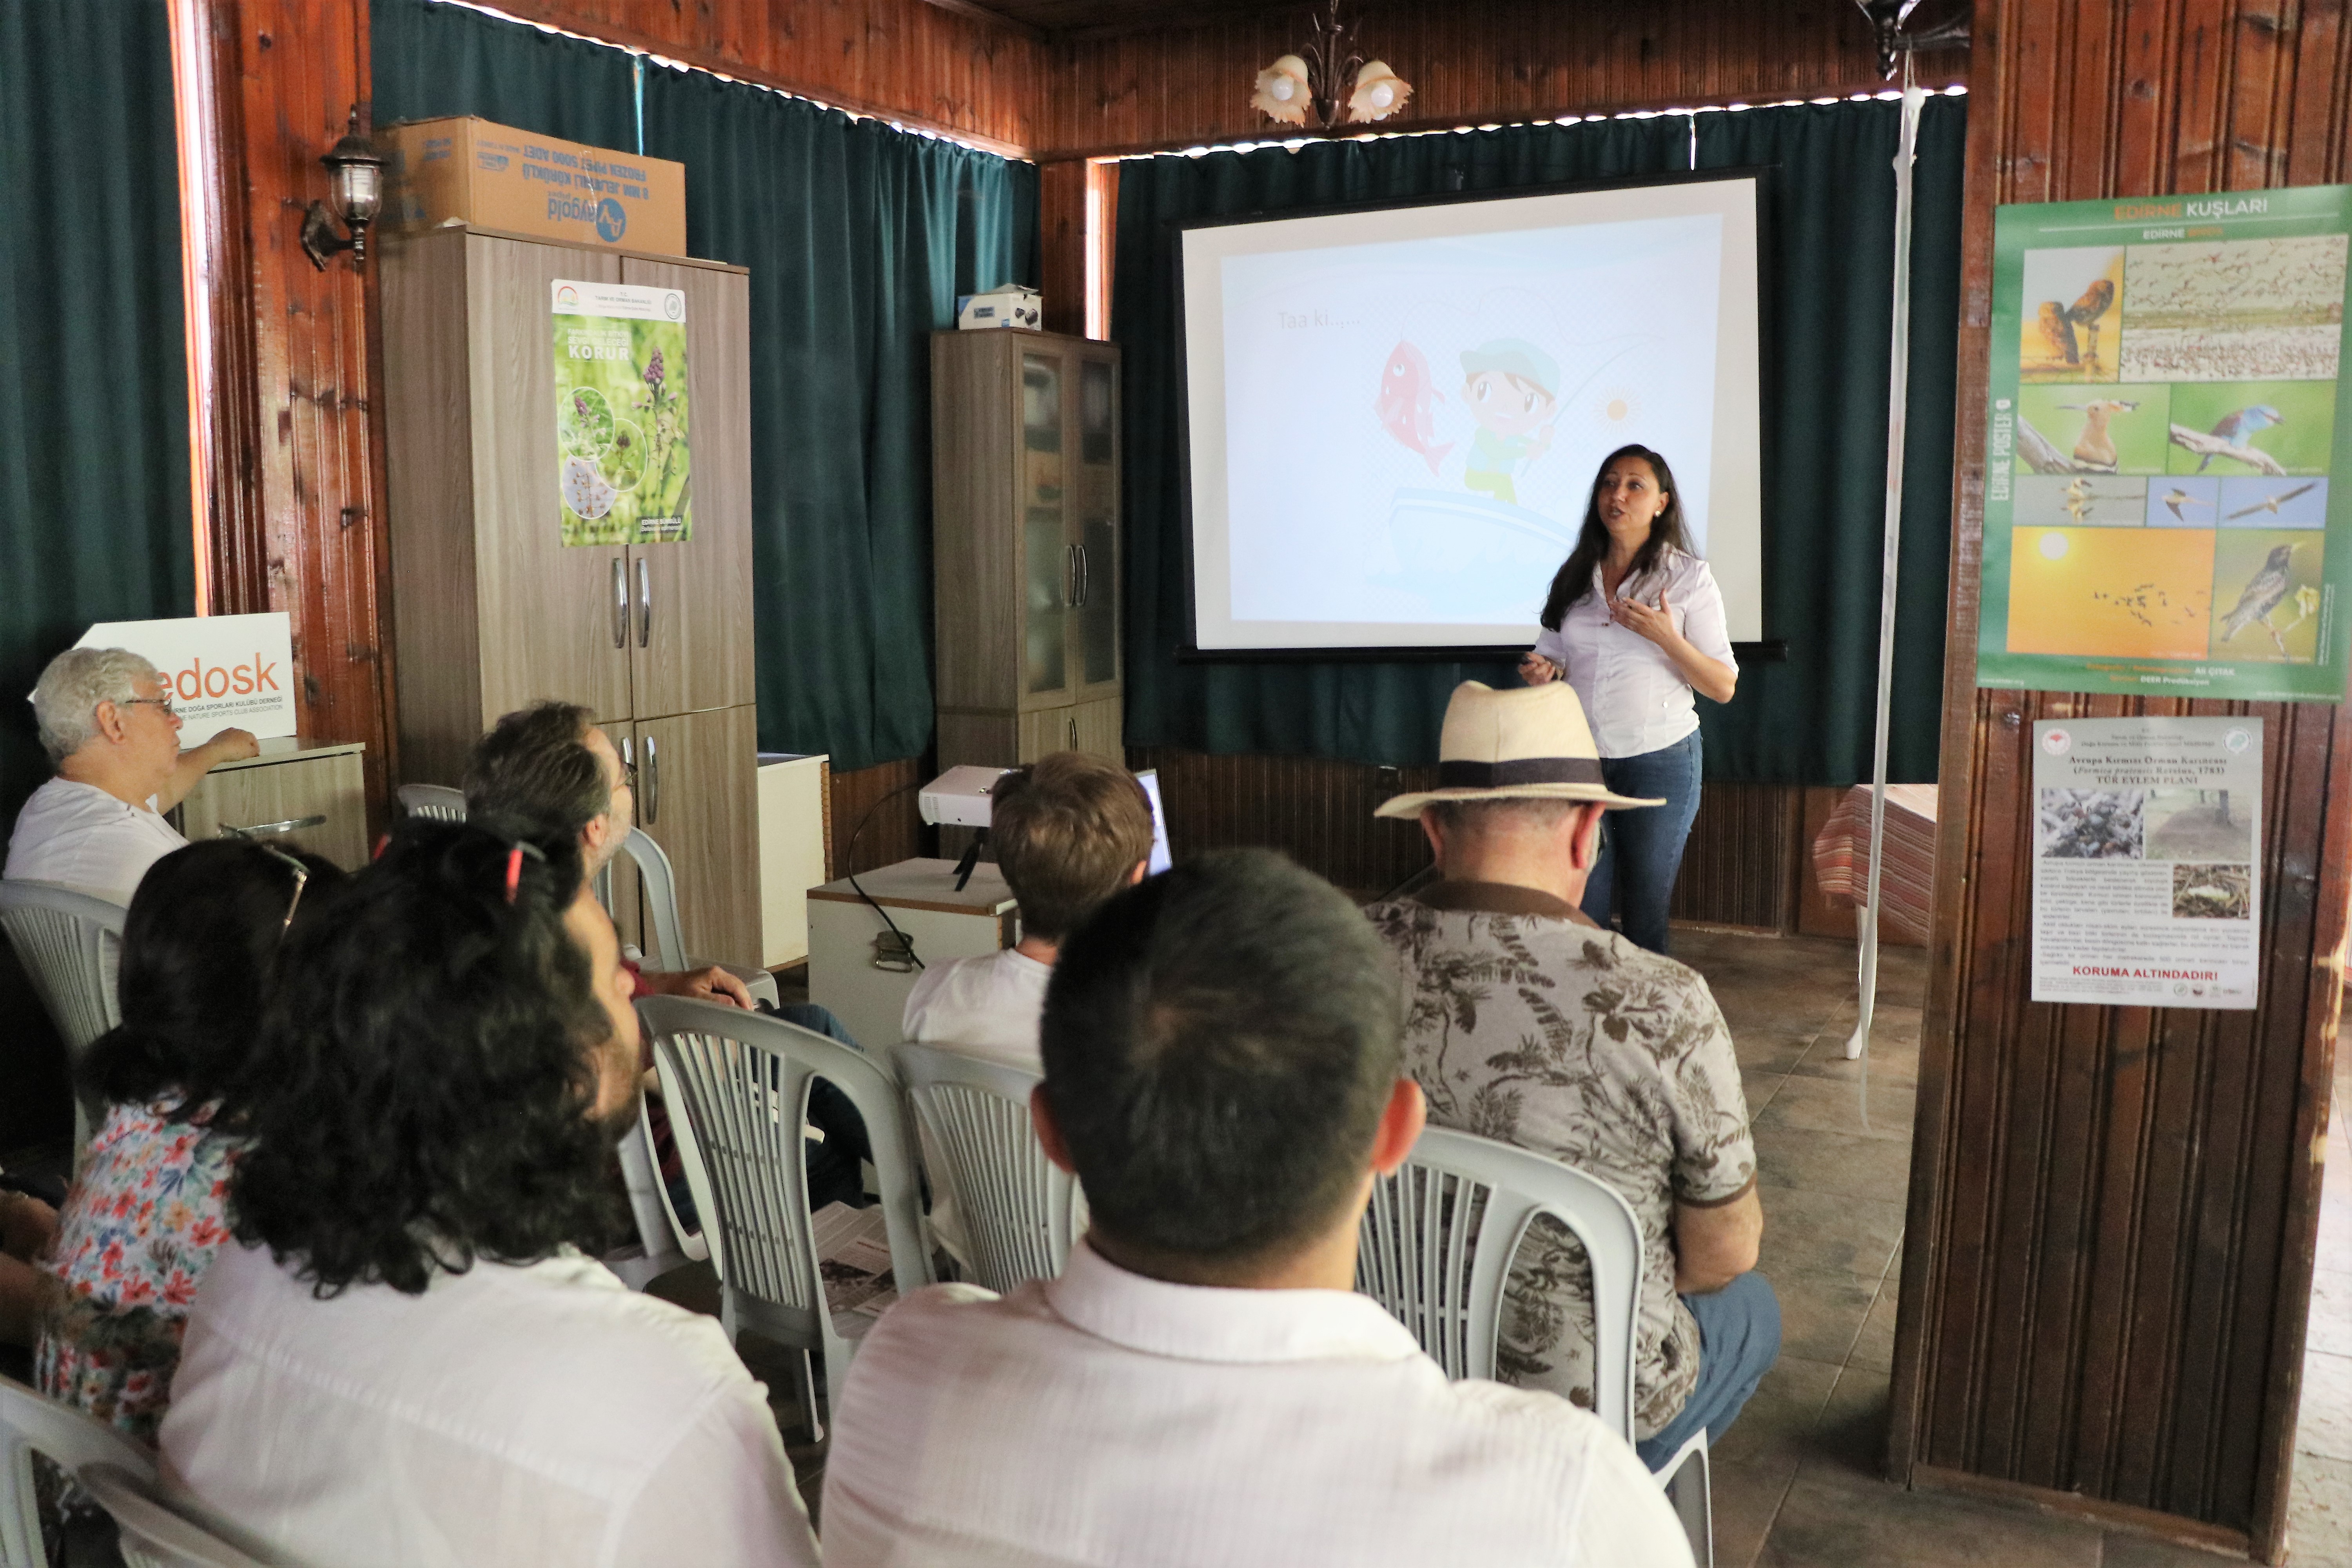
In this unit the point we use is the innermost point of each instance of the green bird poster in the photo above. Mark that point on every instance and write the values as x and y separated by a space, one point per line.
623 459
2160 515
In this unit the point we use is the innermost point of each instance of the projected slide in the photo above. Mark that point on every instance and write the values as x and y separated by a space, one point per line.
1396 415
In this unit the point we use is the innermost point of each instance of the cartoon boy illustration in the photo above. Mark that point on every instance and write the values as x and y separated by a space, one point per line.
1511 387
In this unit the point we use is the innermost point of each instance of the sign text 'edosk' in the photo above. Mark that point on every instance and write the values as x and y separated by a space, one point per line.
221 672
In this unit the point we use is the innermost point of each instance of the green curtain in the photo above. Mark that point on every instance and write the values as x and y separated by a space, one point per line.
860 237
94 521
1829 273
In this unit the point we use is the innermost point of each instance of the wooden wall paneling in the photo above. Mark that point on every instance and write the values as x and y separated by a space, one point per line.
1062 243
1738 865
2107 1270
895 832
952 71
297 519
1473 62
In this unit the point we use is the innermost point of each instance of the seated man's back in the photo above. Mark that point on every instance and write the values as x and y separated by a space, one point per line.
1105 1417
539 1414
1200 1385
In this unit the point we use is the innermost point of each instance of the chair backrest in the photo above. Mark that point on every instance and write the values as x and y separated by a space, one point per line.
436 800
1018 1208
68 1439
70 944
156 1531
742 1080
1436 1242
660 889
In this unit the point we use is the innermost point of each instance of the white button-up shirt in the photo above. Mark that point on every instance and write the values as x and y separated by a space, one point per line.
989 1007
535 1414
1105 1418
1635 698
79 837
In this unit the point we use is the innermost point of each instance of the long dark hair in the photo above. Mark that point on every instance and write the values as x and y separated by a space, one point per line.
1574 579
199 946
431 1081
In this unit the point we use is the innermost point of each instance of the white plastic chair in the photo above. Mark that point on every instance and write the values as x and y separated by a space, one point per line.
70 945
438 802
660 888
738 1082
664 1243
1019 1212
157 1528
1436 1249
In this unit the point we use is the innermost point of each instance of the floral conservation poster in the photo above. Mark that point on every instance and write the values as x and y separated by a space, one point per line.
623 460
2147 855
2160 512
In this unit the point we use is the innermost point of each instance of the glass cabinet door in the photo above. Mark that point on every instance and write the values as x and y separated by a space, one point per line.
1097 533
1049 565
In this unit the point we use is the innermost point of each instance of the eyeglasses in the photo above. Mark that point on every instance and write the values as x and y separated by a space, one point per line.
629 776
302 877
162 702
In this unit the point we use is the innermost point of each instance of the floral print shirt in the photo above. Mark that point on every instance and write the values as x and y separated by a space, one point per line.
1527 1023
145 1218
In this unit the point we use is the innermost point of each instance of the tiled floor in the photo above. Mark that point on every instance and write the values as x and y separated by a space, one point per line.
1799 1480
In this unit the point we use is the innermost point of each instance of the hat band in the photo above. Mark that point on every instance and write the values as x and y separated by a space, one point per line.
1519 771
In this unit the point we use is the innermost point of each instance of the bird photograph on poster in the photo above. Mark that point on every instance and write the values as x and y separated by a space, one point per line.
2274 427
2080 500
2183 502
2272 503
2119 429
2266 595
2069 326
2256 310
2122 592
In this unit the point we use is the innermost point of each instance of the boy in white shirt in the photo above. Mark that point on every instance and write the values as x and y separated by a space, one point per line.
1069 831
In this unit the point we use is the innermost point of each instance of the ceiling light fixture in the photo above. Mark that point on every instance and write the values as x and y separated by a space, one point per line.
1330 76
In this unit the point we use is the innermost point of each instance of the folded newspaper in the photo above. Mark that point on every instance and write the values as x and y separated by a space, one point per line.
853 1249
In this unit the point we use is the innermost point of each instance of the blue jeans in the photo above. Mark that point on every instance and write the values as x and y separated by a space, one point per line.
1738 1341
1642 847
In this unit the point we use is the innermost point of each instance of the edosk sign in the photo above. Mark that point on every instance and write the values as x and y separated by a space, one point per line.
222 672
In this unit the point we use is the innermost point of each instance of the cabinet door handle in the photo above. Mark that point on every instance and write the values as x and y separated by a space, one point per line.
1085 578
1073 733
1069 574
645 604
620 602
653 783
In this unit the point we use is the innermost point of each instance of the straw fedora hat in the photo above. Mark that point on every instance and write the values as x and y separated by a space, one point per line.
1528 744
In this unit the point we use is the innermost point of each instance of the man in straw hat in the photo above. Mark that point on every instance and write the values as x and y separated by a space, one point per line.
1527 1023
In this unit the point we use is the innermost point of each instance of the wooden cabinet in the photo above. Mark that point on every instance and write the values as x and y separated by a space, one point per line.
291 781
493 611
1026 545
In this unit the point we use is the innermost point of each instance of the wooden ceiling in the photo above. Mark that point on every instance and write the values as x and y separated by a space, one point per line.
1105 18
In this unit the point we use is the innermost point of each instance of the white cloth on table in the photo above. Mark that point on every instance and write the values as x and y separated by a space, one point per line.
989 1006
1106 1418
77 835
510 1415
1635 698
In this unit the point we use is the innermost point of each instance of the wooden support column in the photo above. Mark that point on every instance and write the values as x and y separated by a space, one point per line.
291 437
2108 1267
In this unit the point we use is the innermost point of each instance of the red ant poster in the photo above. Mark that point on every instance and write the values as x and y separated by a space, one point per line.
2162 419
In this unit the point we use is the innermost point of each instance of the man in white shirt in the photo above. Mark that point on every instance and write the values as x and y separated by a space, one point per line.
107 723
1201 1386
1069 831
407 1362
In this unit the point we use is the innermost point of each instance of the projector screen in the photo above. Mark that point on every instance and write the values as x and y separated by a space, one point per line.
1395 415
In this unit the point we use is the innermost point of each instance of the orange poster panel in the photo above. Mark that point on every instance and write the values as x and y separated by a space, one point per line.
2122 592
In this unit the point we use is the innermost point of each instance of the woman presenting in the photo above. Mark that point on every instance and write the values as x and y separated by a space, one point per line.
1635 623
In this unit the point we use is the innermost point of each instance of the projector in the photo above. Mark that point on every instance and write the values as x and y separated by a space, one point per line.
958 797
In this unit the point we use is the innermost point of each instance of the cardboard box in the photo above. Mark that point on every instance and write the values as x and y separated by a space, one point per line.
470 170
1010 307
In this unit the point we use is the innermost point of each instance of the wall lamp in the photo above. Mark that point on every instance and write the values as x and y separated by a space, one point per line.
358 172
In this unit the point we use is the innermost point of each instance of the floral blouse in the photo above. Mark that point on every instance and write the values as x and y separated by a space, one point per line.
145 1218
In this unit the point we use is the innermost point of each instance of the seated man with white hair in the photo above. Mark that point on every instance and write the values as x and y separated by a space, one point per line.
107 723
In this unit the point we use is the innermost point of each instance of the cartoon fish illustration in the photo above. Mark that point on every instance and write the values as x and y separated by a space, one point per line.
1406 394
